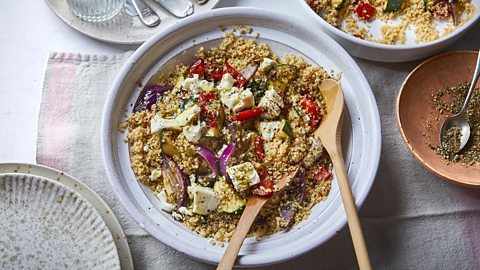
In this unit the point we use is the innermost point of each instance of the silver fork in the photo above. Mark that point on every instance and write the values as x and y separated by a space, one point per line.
147 15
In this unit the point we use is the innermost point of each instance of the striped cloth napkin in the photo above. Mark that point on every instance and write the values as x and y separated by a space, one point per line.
411 219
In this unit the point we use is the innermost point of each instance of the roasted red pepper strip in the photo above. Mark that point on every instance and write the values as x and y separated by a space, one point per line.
248 114
198 68
203 99
265 187
259 151
365 10
240 80
213 71
323 174
313 111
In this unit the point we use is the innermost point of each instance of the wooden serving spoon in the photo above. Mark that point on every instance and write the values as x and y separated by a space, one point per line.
253 207
330 133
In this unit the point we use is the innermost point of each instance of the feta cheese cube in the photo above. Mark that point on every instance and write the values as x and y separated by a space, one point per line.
185 211
155 174
246 100
243 176
273 102
267 64
230 98
204 200
268 129
191 83
226 83
193 133
206 85
164 205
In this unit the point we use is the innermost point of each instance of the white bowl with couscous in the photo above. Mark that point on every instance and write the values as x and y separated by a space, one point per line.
393 30
284 36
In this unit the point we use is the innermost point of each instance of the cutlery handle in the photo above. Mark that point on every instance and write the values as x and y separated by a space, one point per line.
254 204
146 14
178 8
350 210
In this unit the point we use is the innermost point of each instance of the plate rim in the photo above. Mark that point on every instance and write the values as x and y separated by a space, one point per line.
415 154
251 13
397 47
111 221
77 23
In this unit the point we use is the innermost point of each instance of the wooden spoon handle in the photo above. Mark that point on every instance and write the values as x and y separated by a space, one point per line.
351 211
254 204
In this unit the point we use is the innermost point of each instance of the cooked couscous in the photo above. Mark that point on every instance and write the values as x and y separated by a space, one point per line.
208 136
397 17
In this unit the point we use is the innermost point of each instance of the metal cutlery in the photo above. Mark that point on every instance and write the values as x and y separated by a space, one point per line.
146 13
178 8
130 9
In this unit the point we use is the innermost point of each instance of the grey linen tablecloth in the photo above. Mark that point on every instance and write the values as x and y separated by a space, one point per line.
411 219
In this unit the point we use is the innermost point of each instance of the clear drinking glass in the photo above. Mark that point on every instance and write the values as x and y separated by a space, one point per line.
95 10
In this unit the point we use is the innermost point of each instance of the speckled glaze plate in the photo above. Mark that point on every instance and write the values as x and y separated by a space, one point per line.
101 207
122 29
46 225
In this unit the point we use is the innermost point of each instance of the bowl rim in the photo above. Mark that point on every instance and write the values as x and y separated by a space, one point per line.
400 47
247 12
417 156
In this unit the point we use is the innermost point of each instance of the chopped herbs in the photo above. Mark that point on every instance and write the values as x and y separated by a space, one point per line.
449 101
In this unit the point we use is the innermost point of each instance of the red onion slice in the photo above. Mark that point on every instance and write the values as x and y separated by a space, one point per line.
178 180
223 161
209 157
150 96
249 71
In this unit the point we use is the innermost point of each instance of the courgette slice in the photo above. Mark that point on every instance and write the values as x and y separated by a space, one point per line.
338 4
213 132
286 130
294 115
284 74
231 202
168 148
392 5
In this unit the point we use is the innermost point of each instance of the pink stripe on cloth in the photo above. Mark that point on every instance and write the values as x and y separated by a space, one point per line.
58 100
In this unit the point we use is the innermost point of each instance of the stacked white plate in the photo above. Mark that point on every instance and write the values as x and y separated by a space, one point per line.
47 224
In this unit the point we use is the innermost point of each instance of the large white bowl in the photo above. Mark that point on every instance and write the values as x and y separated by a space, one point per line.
389 53
178 43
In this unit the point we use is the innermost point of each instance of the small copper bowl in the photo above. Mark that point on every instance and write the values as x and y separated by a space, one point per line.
414 111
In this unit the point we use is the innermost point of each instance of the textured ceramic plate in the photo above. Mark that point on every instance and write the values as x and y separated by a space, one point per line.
46 225
284 35
414 111
88 194
123 28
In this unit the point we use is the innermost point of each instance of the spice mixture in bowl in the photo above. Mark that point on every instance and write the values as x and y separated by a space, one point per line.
433 91
192 151
449 101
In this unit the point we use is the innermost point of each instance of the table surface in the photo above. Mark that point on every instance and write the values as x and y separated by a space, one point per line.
27 41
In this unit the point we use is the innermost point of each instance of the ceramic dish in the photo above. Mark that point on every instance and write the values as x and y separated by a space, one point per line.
123 28
414 112
101 207
44 224
284 34
390 53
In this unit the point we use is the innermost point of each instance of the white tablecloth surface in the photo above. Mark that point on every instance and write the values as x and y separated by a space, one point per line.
412 219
